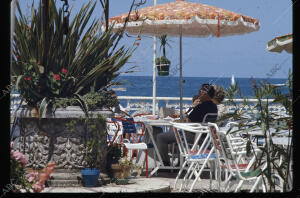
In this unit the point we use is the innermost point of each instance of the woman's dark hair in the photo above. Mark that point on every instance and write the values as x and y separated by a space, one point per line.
209 89
195 97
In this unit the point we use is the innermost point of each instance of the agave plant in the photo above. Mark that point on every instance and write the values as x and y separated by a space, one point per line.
52 64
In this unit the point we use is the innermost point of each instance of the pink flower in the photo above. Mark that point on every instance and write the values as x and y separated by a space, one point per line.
32 176
23 161
64 71
19 157
56 77
38 187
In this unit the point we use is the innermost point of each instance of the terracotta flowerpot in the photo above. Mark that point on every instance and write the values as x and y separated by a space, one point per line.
120 173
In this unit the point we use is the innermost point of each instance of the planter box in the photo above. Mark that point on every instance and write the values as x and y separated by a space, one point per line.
49 139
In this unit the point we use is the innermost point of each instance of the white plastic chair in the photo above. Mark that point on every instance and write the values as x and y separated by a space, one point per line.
136 130
233 152
195 160
114 132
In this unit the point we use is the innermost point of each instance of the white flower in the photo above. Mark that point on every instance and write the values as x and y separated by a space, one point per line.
22 190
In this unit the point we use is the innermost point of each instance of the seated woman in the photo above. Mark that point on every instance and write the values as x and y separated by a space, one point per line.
206 93
195 102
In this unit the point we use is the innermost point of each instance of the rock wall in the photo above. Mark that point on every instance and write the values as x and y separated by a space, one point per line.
51 139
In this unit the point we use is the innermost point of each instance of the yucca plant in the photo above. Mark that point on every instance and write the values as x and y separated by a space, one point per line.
70 65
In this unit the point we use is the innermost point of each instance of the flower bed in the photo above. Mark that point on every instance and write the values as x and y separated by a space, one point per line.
27 180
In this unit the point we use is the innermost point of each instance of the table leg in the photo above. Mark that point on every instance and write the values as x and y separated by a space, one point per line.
150 132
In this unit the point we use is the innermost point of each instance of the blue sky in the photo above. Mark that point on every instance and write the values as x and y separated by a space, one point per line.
242 55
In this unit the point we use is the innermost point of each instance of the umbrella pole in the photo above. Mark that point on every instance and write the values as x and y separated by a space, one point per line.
154 73
180 72
154 77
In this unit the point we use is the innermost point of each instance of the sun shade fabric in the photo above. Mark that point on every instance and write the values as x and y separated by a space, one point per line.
196 20
281 43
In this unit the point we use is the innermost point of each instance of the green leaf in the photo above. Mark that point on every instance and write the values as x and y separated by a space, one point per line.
83 104
41 69
44 107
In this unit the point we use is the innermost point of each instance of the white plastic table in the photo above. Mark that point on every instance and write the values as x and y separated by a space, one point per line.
149 123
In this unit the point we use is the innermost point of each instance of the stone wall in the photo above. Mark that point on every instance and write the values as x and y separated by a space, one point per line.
50 139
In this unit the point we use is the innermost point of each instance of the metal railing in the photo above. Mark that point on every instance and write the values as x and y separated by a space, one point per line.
137 103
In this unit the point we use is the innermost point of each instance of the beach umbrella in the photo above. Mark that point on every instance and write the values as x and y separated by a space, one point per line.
280 43
182 18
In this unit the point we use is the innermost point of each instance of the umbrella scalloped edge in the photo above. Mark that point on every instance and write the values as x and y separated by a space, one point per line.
136 27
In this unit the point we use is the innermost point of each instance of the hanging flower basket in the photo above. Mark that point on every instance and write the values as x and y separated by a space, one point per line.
163 66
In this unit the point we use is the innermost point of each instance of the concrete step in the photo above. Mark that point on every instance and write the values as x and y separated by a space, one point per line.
73 179
63 183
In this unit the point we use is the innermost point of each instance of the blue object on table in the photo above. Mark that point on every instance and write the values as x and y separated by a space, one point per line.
129 127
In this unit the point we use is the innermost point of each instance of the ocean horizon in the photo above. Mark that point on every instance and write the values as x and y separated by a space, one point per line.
168 86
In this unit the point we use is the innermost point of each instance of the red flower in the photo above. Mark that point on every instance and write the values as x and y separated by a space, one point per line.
56 77
28 78
38 63
137 43
64 71
43 133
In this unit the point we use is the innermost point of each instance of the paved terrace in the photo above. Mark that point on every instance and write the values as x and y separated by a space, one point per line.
163 182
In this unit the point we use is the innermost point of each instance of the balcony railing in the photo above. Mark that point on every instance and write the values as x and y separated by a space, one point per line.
138 103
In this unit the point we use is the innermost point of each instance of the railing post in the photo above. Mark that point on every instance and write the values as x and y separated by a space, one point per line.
128 104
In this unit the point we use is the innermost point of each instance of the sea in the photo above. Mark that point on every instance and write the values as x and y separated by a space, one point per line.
168 86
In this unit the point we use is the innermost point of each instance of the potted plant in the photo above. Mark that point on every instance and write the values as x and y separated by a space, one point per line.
94 148
122 170
63 75
162 62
